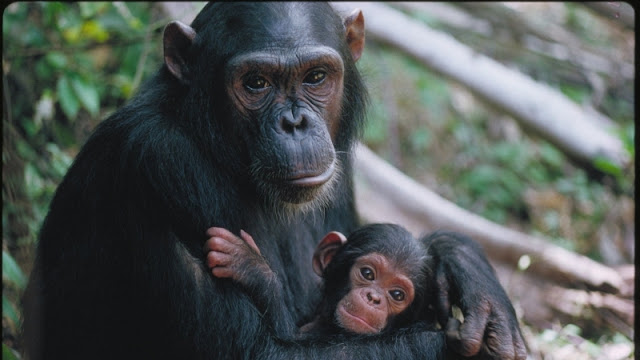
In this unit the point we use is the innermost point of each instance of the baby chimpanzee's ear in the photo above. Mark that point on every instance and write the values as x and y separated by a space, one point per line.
330 244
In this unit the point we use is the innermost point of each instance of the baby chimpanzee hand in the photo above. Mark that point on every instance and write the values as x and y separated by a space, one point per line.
229 256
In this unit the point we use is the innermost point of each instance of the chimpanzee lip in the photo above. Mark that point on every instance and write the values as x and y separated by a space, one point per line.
311 180
358 319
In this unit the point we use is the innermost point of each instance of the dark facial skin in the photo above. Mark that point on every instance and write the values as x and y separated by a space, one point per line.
364 299
290 103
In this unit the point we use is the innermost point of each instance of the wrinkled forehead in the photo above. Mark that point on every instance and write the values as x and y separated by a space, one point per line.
288 58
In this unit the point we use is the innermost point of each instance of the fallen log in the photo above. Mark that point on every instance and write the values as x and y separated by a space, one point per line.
559 284
385 194
536 106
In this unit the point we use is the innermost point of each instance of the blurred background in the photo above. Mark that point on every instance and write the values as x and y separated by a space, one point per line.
435 116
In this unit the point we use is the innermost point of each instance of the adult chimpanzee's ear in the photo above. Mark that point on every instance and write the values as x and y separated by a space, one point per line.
354 25
328 247
177 39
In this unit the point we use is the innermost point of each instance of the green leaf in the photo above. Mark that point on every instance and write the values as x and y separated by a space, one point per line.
43 69
56 59
605 165
26 150
33 183
92 29
87 94
9 311
7 353
552 156
60 162
68 101
89 9
12 272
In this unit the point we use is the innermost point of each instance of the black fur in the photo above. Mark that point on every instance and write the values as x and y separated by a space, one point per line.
399 246
119 270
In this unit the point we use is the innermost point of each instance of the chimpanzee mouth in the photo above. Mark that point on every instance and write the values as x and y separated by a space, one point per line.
354 323
313 179
305 190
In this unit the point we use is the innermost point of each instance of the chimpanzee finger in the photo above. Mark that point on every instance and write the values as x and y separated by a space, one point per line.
217 259
499 341
218 244
443 304
225 234
246 237
468 339
517 343
222 272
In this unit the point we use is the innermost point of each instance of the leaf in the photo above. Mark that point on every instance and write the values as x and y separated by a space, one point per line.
87 94
67 99
72 34
7 353
33 183
605 165
90 9
9 311
12 272
60 162
551 156
56 59
93 30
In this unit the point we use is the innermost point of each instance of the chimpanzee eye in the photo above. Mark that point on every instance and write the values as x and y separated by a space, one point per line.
397 295
367 273
315 77
256 83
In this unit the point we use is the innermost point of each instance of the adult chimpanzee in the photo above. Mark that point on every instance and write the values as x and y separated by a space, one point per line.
249 124
374 281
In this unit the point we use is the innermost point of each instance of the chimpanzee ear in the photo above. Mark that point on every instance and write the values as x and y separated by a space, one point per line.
178 37
354 26
328 247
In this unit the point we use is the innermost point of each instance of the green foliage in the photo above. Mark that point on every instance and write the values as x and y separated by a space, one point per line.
8 354
569 340
63 43
74 81
66 65
447 135
11 272
12 279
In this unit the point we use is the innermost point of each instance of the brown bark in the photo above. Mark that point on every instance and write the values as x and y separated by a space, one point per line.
558 283
536 106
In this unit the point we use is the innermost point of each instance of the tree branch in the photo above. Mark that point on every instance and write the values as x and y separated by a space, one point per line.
384 194
535 106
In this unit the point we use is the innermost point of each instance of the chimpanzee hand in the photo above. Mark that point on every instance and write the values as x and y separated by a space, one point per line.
229 256
465 278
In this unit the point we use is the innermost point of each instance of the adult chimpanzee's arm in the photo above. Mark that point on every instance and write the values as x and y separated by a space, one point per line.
465 278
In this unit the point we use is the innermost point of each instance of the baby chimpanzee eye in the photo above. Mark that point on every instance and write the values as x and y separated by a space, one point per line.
367 273
397 295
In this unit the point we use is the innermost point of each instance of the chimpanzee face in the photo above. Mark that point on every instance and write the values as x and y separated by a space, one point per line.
379 290
280 83
289 103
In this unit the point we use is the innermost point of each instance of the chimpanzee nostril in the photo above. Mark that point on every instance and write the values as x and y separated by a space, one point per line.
289 123
373 298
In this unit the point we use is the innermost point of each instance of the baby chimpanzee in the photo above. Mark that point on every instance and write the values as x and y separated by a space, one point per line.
372 281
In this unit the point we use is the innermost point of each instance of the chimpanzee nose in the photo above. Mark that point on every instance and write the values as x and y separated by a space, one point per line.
290 122
373 297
